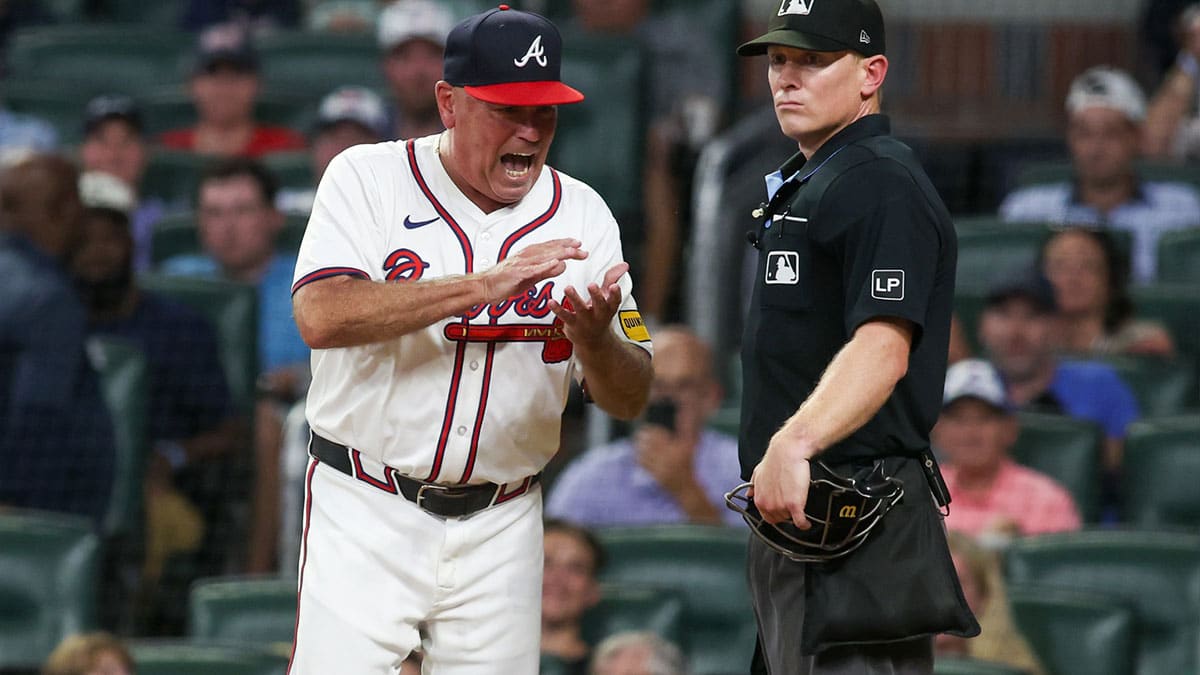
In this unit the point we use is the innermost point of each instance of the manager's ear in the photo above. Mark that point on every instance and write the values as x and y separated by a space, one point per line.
874 71
443 92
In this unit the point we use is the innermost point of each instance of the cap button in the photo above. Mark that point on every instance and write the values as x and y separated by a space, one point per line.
505 7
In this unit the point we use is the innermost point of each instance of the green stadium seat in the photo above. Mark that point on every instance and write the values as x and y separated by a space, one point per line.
1156 573
1041 173
1066 449
1162 386
988 253
176 235
293 170
171 107
318 62
161 13
946 665
600 141
172 176
49 566
100 57
125 382
1073 632
626 607
1175 305
233 310
259 610
181 658
707 566
552 665
1179 257
1162 461
60 105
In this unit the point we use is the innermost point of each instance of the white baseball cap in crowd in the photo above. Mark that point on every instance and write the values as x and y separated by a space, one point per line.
353 104
976 378
1106 87
406 20
99 190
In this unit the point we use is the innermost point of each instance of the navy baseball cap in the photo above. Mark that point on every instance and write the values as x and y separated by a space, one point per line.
508 57
111 107
1028 284
823 26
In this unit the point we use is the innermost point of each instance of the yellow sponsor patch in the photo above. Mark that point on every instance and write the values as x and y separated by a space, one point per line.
634 327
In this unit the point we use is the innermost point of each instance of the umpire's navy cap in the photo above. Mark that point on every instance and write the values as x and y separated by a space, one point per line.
508 57
823 26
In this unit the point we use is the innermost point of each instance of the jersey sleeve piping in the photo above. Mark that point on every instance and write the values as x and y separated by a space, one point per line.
325 273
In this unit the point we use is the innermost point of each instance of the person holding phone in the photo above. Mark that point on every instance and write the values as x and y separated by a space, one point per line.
672 469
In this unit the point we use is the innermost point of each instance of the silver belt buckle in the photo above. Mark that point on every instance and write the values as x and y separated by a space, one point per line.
428 486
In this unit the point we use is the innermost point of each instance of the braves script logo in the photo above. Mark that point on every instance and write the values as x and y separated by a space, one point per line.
404 265
796 7
535 52
533 304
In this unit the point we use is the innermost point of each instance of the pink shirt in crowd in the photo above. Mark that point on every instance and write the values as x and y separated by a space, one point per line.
1032 500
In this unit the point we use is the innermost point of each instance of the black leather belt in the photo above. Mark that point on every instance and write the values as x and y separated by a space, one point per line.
449 501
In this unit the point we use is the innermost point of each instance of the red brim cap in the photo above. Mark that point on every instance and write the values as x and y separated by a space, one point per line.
526 93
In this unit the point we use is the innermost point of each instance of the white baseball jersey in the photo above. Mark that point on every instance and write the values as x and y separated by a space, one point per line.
472 398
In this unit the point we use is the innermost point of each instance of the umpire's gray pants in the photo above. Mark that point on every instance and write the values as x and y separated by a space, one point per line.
777 587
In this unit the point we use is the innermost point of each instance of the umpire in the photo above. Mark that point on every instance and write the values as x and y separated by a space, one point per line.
844 360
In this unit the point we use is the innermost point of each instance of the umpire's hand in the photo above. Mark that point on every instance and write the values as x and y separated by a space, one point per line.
781 481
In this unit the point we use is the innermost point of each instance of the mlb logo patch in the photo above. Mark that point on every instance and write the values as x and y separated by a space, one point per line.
887 284
783 267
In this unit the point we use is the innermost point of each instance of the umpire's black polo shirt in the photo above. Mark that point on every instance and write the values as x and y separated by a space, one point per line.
857 232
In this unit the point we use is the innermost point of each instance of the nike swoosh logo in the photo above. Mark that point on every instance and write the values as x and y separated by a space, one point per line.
411 224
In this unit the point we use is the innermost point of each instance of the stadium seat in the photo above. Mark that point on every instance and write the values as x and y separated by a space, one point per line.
1058 171
161 13
1162 461
1175 305
171 107
707 566
60 105
293 170
1162 386
48 572
1156 573
990 252
946 665
625 607
552 665
181 658
99 58
172 176
317 62
233 310
1067 450
124 379
968 307
1179 257
1074 632
600 141
176 234
260 610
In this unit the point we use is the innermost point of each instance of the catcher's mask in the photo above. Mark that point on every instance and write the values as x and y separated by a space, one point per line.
842 509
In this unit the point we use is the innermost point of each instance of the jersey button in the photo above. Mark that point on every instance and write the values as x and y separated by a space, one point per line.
485 261
474 365
462 431
485 236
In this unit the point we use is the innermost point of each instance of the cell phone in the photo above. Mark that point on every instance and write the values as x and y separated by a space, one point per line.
661 413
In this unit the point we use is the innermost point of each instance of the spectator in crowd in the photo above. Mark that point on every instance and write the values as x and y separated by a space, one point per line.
1172 122
258 15
239 225
1095 313
684 109
114 142
999 640
637 653
1105 112
348 116
573 558
412 36
22 135
1161 35
673 469
56 436
1016 329
89 654
192 425
224 85
993 495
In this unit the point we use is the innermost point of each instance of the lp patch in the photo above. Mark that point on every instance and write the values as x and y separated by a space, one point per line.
887 284
783 267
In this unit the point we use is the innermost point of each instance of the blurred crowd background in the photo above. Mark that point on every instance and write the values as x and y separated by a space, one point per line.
157 164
